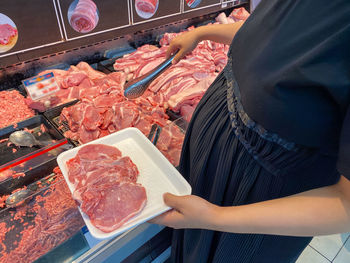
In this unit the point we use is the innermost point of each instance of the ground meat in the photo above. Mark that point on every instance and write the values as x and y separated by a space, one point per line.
13 108
32 230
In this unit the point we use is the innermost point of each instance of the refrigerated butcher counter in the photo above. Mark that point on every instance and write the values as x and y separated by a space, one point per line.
47 226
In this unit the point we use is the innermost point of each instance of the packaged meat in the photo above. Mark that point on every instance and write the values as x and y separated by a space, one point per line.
137 170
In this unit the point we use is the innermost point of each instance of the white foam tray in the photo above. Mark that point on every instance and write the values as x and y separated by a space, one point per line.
157 175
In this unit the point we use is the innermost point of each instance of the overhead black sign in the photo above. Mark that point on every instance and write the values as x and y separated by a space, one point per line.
190 5
87 17
147 10
26 25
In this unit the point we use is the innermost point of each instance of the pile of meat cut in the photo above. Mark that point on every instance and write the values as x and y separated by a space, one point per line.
238 14
105 186
103 109
182 85
13 108
79 82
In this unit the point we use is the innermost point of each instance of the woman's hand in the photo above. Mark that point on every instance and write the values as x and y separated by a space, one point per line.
184 44
188 41
188 211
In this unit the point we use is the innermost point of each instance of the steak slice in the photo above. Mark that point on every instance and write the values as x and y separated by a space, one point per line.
110 204
98 152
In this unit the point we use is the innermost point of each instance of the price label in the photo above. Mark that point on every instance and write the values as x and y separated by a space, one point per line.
41 86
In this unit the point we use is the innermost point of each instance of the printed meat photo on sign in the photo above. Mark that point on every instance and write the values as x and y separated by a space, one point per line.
83 15
146 8
193 3
8 33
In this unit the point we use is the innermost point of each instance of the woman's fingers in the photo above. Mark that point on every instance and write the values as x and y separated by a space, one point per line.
170 218
173 201
179 56
171 49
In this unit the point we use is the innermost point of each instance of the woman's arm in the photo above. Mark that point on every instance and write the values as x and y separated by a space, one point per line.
316 212
188 41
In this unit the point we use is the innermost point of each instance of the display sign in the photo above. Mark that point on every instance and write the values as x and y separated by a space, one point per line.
190 5
83 18
27 25
148 10
41 86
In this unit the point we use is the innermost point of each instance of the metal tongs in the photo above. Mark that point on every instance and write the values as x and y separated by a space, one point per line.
20 196
136 87
153 135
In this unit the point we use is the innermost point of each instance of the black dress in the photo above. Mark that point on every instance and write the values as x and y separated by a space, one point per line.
231 159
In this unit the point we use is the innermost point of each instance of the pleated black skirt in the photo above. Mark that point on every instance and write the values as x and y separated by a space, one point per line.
229 164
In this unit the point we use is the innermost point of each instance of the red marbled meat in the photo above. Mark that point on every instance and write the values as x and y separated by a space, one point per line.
105 186
111 205
6 33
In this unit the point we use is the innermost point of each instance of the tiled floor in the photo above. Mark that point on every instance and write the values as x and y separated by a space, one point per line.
326 249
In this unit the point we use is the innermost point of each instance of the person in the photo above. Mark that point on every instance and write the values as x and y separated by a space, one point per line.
267 151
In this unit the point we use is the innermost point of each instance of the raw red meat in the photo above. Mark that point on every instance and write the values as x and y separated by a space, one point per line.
105 186
239 14
109 206
107 119
180 88
170 143
48 219
13 108
86 135
73 79
93 74
222 19
98 152
84 17
187 111
92 118
178 100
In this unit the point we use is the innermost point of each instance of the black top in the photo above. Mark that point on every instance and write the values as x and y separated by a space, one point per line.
291 60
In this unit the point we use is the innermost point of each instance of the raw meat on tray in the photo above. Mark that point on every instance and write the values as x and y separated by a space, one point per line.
105 186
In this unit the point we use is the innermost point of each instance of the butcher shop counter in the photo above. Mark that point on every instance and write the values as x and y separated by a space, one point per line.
48 228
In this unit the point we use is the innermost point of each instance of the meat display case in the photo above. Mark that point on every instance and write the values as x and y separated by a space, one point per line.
147 242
